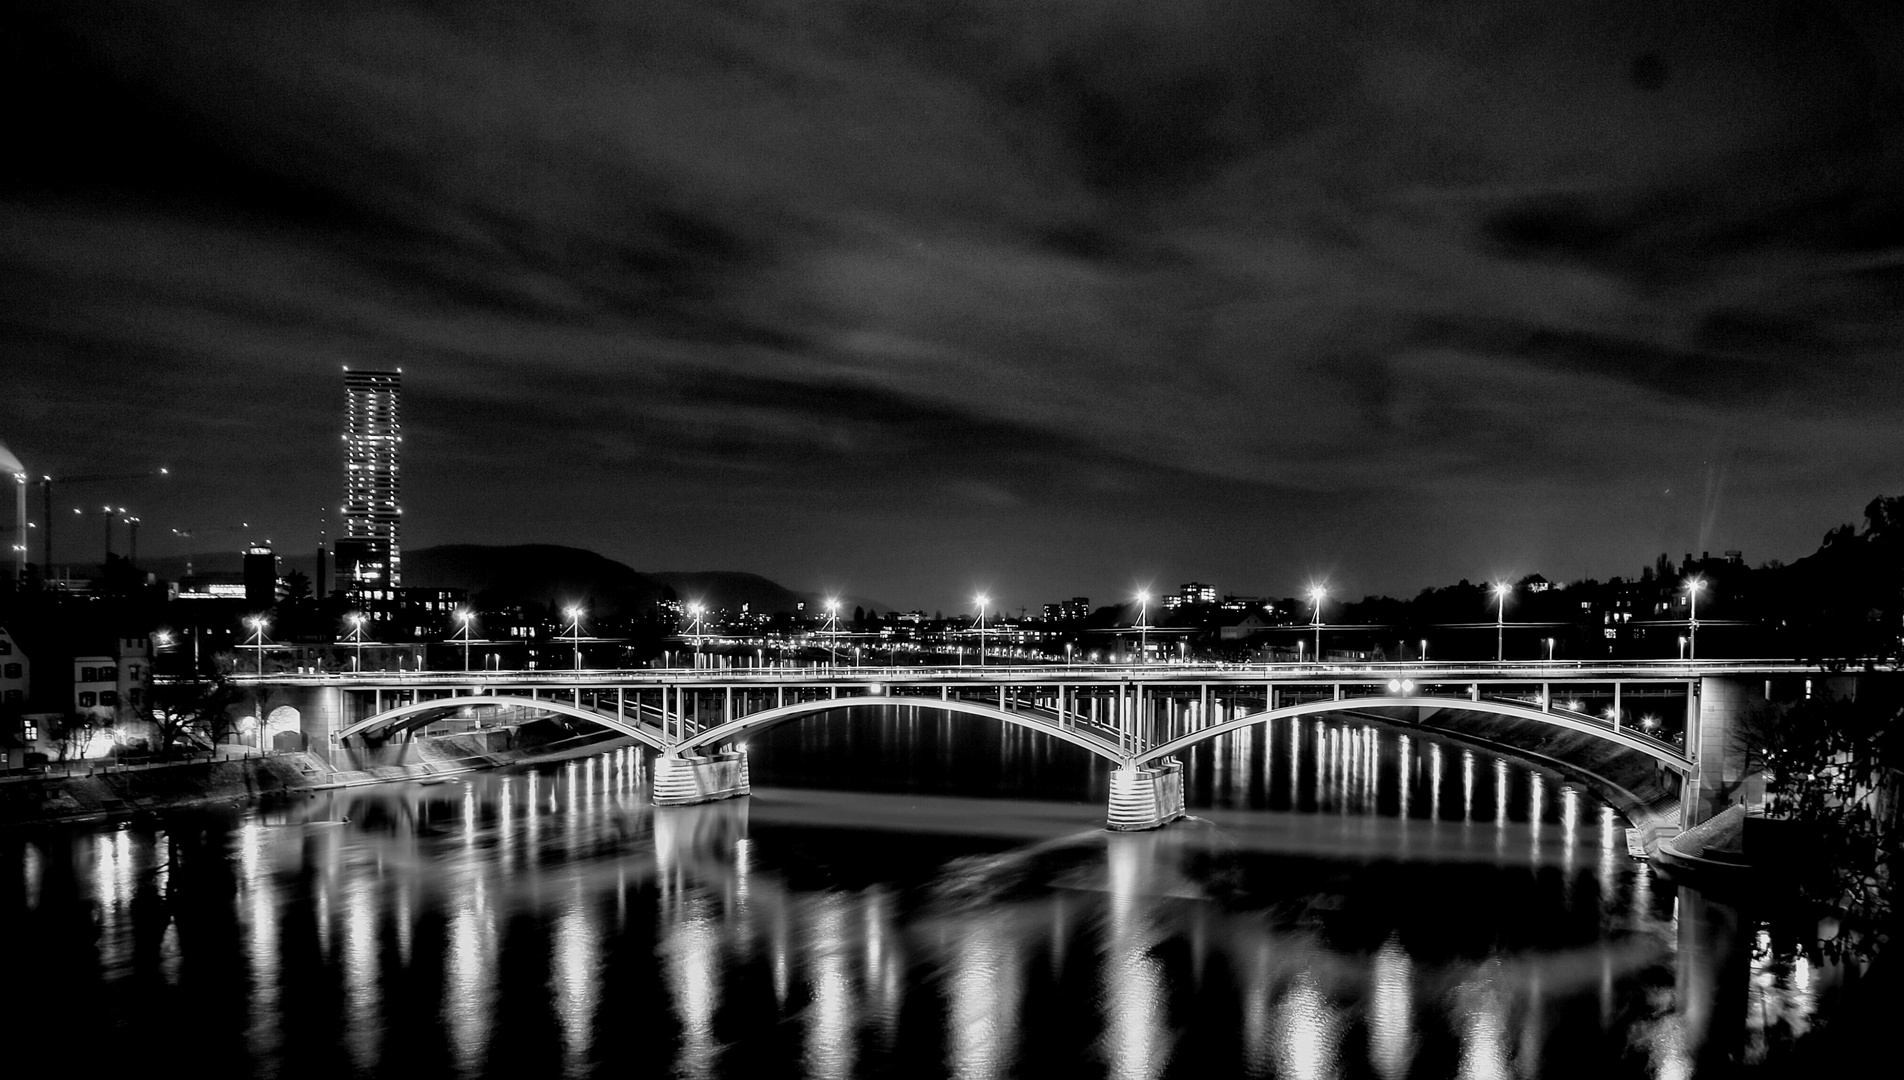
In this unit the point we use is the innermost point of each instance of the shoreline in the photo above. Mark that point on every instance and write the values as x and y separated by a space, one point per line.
246 782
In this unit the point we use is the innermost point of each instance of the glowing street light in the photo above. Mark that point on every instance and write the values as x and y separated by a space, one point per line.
694 613
983 602
1424 649
1316 593
833 633
357 636
462 616
575 632
1501 589
1693 585
257 624
1550 649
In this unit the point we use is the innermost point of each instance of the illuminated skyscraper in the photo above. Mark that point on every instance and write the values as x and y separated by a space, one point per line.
369 555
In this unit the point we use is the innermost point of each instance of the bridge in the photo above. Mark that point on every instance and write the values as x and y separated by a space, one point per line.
1673 716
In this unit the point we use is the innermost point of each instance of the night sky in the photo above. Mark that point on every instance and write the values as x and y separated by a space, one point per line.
908 298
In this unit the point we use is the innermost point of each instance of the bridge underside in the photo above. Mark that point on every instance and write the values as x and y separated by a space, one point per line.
417 714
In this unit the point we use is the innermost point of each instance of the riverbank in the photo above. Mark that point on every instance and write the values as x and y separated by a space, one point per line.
106 795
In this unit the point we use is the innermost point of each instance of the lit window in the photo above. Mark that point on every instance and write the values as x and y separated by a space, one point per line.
87 699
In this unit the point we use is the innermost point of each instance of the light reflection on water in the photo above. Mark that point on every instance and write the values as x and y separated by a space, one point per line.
1357 930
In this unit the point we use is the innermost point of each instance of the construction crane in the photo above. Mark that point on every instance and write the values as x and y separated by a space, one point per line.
46 506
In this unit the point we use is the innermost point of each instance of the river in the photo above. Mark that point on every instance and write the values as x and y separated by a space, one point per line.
904 895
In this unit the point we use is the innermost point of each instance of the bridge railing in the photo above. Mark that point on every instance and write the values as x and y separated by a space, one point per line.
1529 670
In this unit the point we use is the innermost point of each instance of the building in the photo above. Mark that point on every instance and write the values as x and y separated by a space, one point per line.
424 612
17 733
1192 594
370 553
16 673
263 582
116 682
1076 609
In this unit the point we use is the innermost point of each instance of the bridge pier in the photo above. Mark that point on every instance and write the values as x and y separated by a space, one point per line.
1145 797
685 780
1719 777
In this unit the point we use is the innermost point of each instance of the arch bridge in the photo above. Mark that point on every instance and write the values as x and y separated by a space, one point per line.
1676 716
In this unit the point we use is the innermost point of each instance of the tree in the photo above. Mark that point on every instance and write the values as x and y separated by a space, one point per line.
200 707
72 732
1832 770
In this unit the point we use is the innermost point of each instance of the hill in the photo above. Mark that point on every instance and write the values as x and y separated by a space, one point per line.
546 574
731 589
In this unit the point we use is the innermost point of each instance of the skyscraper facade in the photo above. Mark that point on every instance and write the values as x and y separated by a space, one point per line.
369 554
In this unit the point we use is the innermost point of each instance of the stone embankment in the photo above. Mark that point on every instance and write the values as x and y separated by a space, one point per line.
107 794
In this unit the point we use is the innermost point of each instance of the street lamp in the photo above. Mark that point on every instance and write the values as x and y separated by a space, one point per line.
1143 627
694 613
1501 589
1424 650
462 616
1693 585
1067 654
1682 646
1316 593
357 636
1550 649
257 624
575 632
833 633
983 602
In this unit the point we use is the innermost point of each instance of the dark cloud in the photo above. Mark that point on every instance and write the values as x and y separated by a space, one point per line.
1056 294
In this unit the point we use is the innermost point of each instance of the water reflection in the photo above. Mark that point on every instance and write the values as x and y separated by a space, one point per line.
554 922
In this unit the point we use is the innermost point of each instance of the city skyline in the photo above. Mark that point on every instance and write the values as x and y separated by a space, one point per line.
1067 300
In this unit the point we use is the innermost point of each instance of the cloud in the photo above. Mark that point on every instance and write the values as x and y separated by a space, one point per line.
989 251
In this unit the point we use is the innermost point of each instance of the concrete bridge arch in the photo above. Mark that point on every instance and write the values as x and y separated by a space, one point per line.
420 711
1665 754
733 729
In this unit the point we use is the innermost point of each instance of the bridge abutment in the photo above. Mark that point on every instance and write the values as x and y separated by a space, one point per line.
1145 797
684 781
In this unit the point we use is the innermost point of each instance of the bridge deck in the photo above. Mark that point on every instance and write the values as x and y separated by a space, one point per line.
1566 671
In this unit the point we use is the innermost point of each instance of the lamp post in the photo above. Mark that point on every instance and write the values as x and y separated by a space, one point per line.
1693 585
1316 593
1424 650
1682 646
1501 589
462 616
1143 627
1067 654
1550 649
833 633
575 632
983 602
694 613
357 636
257 624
